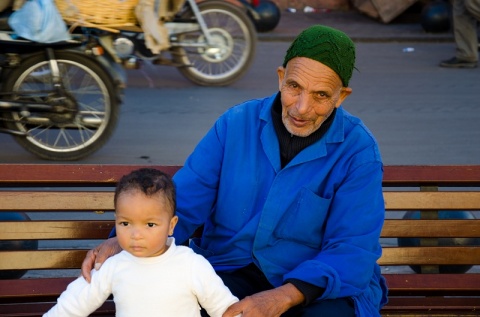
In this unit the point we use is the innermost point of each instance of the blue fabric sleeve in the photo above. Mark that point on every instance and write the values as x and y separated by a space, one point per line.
113 233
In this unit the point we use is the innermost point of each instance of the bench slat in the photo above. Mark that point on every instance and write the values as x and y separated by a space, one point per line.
57 259
42 259
99 229
432 200
431 175
431 306
56 201
38 309
34 287
434 284
55 230
28 200
33 297
398 284
94 174
458 255
445 228
69 174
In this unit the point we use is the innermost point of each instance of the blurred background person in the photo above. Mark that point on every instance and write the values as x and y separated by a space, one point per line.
466 14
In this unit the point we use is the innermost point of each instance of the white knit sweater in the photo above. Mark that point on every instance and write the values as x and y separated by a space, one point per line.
173 284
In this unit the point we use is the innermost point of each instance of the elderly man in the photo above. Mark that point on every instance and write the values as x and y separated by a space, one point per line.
289 192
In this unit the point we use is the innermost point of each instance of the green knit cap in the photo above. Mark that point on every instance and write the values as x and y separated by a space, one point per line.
328 46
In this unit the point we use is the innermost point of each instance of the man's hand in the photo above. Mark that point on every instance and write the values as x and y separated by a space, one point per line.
271 303
97 256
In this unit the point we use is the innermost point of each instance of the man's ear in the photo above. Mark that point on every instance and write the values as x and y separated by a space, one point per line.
346 91
281 75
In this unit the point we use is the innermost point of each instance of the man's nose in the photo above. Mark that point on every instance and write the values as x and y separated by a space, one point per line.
303 102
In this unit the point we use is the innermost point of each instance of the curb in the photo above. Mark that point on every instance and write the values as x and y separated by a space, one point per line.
357 26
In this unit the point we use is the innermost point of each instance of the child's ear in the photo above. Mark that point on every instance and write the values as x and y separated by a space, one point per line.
173 223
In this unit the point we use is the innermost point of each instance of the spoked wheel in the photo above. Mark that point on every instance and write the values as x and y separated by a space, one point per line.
229 56
80 122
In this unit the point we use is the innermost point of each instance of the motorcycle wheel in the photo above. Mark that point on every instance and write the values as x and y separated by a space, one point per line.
93 107
232 52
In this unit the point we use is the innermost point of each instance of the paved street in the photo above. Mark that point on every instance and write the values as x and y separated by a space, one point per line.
420 113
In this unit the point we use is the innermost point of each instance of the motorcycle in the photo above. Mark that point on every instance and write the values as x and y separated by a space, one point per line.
61 101
212 42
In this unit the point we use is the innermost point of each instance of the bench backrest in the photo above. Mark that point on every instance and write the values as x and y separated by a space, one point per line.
48 192
431 227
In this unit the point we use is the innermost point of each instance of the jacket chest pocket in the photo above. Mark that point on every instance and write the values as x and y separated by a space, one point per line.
304 219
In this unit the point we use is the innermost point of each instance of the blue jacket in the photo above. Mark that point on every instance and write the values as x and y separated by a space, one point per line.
318 219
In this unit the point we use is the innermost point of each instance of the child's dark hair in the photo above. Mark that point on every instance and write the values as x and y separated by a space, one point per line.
149 181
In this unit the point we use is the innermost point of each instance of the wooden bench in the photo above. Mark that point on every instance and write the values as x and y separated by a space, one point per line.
71 210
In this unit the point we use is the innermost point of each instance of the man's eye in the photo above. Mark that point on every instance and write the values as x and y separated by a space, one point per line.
321 95
293 86
124 223
151 224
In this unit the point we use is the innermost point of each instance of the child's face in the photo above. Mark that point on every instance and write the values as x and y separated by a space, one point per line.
143 223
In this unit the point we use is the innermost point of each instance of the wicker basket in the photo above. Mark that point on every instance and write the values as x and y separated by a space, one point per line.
102 14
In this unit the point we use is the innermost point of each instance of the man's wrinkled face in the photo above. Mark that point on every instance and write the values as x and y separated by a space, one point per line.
310 92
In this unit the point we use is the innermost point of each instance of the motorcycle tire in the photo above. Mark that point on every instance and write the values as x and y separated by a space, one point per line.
234 44
91 100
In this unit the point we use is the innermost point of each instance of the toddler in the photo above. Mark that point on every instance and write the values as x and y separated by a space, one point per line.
151 276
